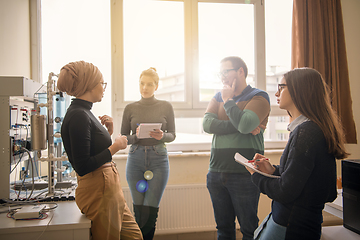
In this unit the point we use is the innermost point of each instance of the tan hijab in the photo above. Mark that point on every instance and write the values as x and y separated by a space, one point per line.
76 78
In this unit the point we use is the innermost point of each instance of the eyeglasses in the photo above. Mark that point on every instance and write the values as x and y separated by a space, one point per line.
103 84
281 86
225 73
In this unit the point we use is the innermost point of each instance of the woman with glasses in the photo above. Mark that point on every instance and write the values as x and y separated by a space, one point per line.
307 167
89 148
147 167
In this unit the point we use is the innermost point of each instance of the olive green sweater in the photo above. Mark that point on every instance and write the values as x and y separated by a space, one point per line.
232 124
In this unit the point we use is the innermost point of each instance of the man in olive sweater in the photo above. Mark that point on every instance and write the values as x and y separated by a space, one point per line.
237 116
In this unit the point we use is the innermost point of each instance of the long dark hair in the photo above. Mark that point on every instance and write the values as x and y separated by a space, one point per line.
311 97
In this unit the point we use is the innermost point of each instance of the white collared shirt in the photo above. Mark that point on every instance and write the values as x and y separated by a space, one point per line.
299 120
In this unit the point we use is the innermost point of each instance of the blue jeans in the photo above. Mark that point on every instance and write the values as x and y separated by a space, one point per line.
141 159
270 230
233 195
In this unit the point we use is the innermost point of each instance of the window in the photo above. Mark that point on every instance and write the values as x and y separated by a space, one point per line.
182 40
282 136
72 34
278 20
176 38
185 41
223 36
154 37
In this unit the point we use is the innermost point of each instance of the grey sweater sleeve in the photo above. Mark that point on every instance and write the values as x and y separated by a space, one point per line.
126 126
169 133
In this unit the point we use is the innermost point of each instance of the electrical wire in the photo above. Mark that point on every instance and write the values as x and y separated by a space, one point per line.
43 213
45 227
11 203
49 209
42 216
32 171
20 157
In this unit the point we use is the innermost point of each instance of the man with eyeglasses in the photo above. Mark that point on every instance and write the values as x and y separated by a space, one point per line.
237 117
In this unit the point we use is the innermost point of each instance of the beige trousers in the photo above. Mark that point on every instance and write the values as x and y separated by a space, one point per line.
100 197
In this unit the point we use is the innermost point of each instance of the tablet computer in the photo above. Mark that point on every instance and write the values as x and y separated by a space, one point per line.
146 128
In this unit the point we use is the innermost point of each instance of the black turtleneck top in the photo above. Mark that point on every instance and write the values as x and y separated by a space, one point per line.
85 140
148 110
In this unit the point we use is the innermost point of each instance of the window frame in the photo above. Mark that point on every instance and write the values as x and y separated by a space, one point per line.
192 106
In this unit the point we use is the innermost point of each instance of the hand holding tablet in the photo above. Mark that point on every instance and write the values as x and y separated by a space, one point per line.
146 128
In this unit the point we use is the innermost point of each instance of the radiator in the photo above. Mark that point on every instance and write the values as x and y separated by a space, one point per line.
183 208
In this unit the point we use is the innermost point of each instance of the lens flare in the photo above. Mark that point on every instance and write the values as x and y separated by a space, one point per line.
142 186
148 175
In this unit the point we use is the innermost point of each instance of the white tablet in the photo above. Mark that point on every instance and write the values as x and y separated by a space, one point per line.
146 128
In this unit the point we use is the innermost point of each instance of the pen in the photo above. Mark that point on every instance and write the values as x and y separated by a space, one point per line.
251 161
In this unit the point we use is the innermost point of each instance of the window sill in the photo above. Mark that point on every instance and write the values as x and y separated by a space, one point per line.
180 154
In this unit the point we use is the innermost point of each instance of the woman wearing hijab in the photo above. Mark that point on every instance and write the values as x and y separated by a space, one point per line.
89 148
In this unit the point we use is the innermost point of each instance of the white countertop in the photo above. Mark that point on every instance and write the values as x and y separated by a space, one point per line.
66 217
336 207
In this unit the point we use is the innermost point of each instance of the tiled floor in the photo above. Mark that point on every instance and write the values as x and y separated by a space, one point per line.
193 236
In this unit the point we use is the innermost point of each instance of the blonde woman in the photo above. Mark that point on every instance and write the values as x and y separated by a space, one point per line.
89 148
148 155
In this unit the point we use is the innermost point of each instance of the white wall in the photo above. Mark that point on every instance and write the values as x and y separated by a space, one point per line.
15 38
351 17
